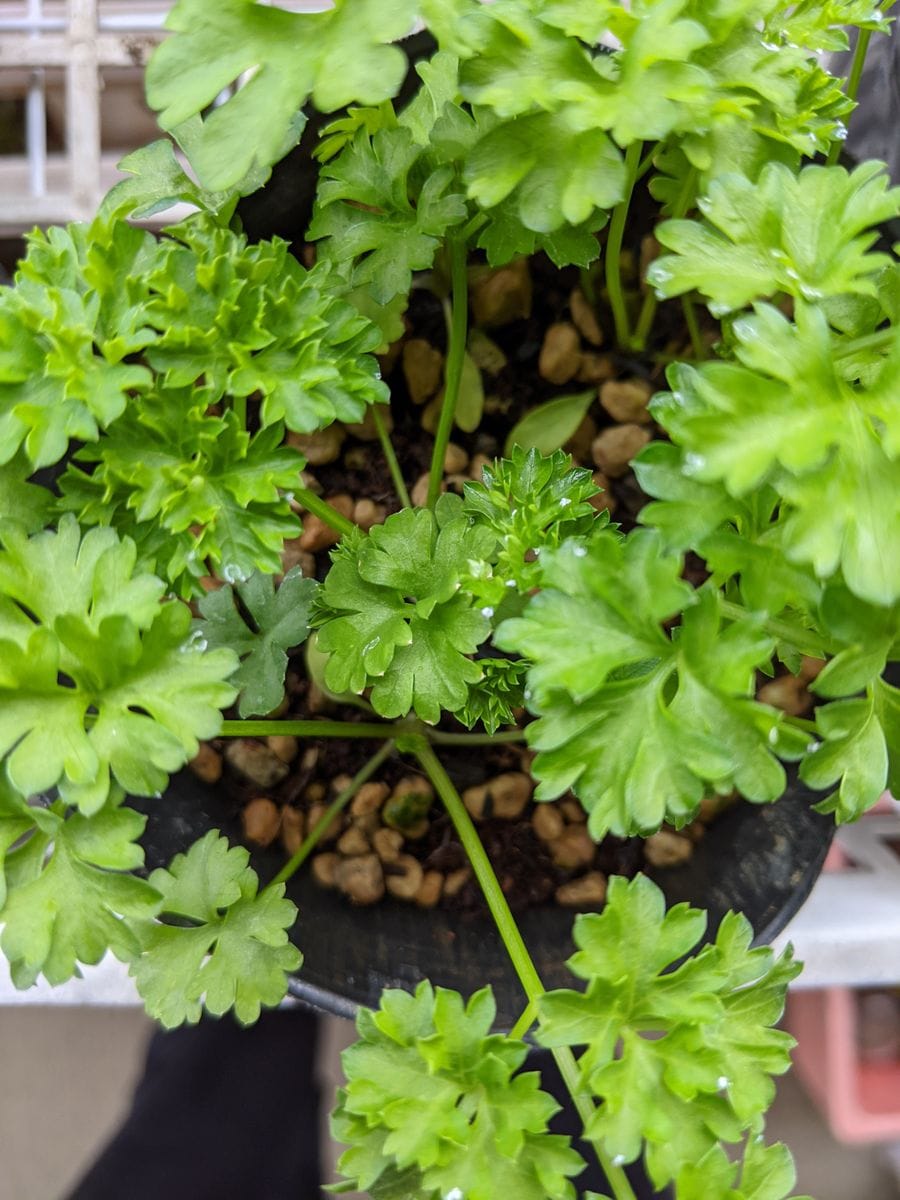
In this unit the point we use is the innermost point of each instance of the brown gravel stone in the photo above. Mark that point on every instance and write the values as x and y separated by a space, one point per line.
456 459
366 430
787 692
293 555
369 798
419 491
615 447
456 881
404 876
560 356
316 813
584 318
261 821
476 801
430 889
317 535
627 400
595 368
588 891
547 822
667 849
319 448
293 825
207 763
509 794
255 762
477 465
285 746
353 842
367 513
573 812
387 843
573 848
324 867
501 296
423 369
361 879
604 499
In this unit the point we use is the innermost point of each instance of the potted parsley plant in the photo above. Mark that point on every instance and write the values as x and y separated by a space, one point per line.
160 397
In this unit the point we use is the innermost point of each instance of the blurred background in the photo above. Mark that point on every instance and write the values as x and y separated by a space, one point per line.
71 104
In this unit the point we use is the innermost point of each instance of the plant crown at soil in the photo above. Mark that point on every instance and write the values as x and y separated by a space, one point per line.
148 386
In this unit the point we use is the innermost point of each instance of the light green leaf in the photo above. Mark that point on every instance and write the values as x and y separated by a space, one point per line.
548 427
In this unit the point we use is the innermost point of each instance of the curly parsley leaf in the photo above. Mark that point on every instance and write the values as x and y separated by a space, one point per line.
765 1173
784 415
639 723
808 234
432 1092
69 898
337 57
391 614
530 502
98 680
230 949
708 1078
495 697
198 495
260 624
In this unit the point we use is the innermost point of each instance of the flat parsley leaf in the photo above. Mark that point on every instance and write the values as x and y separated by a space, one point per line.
639 723
708 1077
69 898
391 614
808 234
235 951
432 1092
338 56
259 623
97 679
766 1173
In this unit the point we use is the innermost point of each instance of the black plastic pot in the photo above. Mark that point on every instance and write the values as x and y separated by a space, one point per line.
761 861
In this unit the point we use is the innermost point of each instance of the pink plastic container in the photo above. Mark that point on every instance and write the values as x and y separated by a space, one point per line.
860 1100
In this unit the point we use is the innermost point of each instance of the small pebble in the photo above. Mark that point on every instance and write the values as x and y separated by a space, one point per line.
404 876
456 459
787 692
293 555
547 822
207 763
317 535
431 415
486 354
595 368
316 813
501 296
319 448
810 667
261 821
324 867
573 811
366 429
367 513
615 447
387 843
361 878
584 318
627 400
285 746
667 849
369 798
510 793
353 842
477 801
588 891
430 889
573 848
423 369
314 792
255 762
419 491
560 356
292 828
456 881
367 822
477 465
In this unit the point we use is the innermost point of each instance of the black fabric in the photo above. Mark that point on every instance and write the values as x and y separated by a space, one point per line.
221 1113
225 1113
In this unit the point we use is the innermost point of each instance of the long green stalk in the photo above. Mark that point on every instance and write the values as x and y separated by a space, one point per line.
321 508
651 301
340 802
515 948
689 308
310 729
857 64
456 352
777 629
474 739
613 262
390 455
